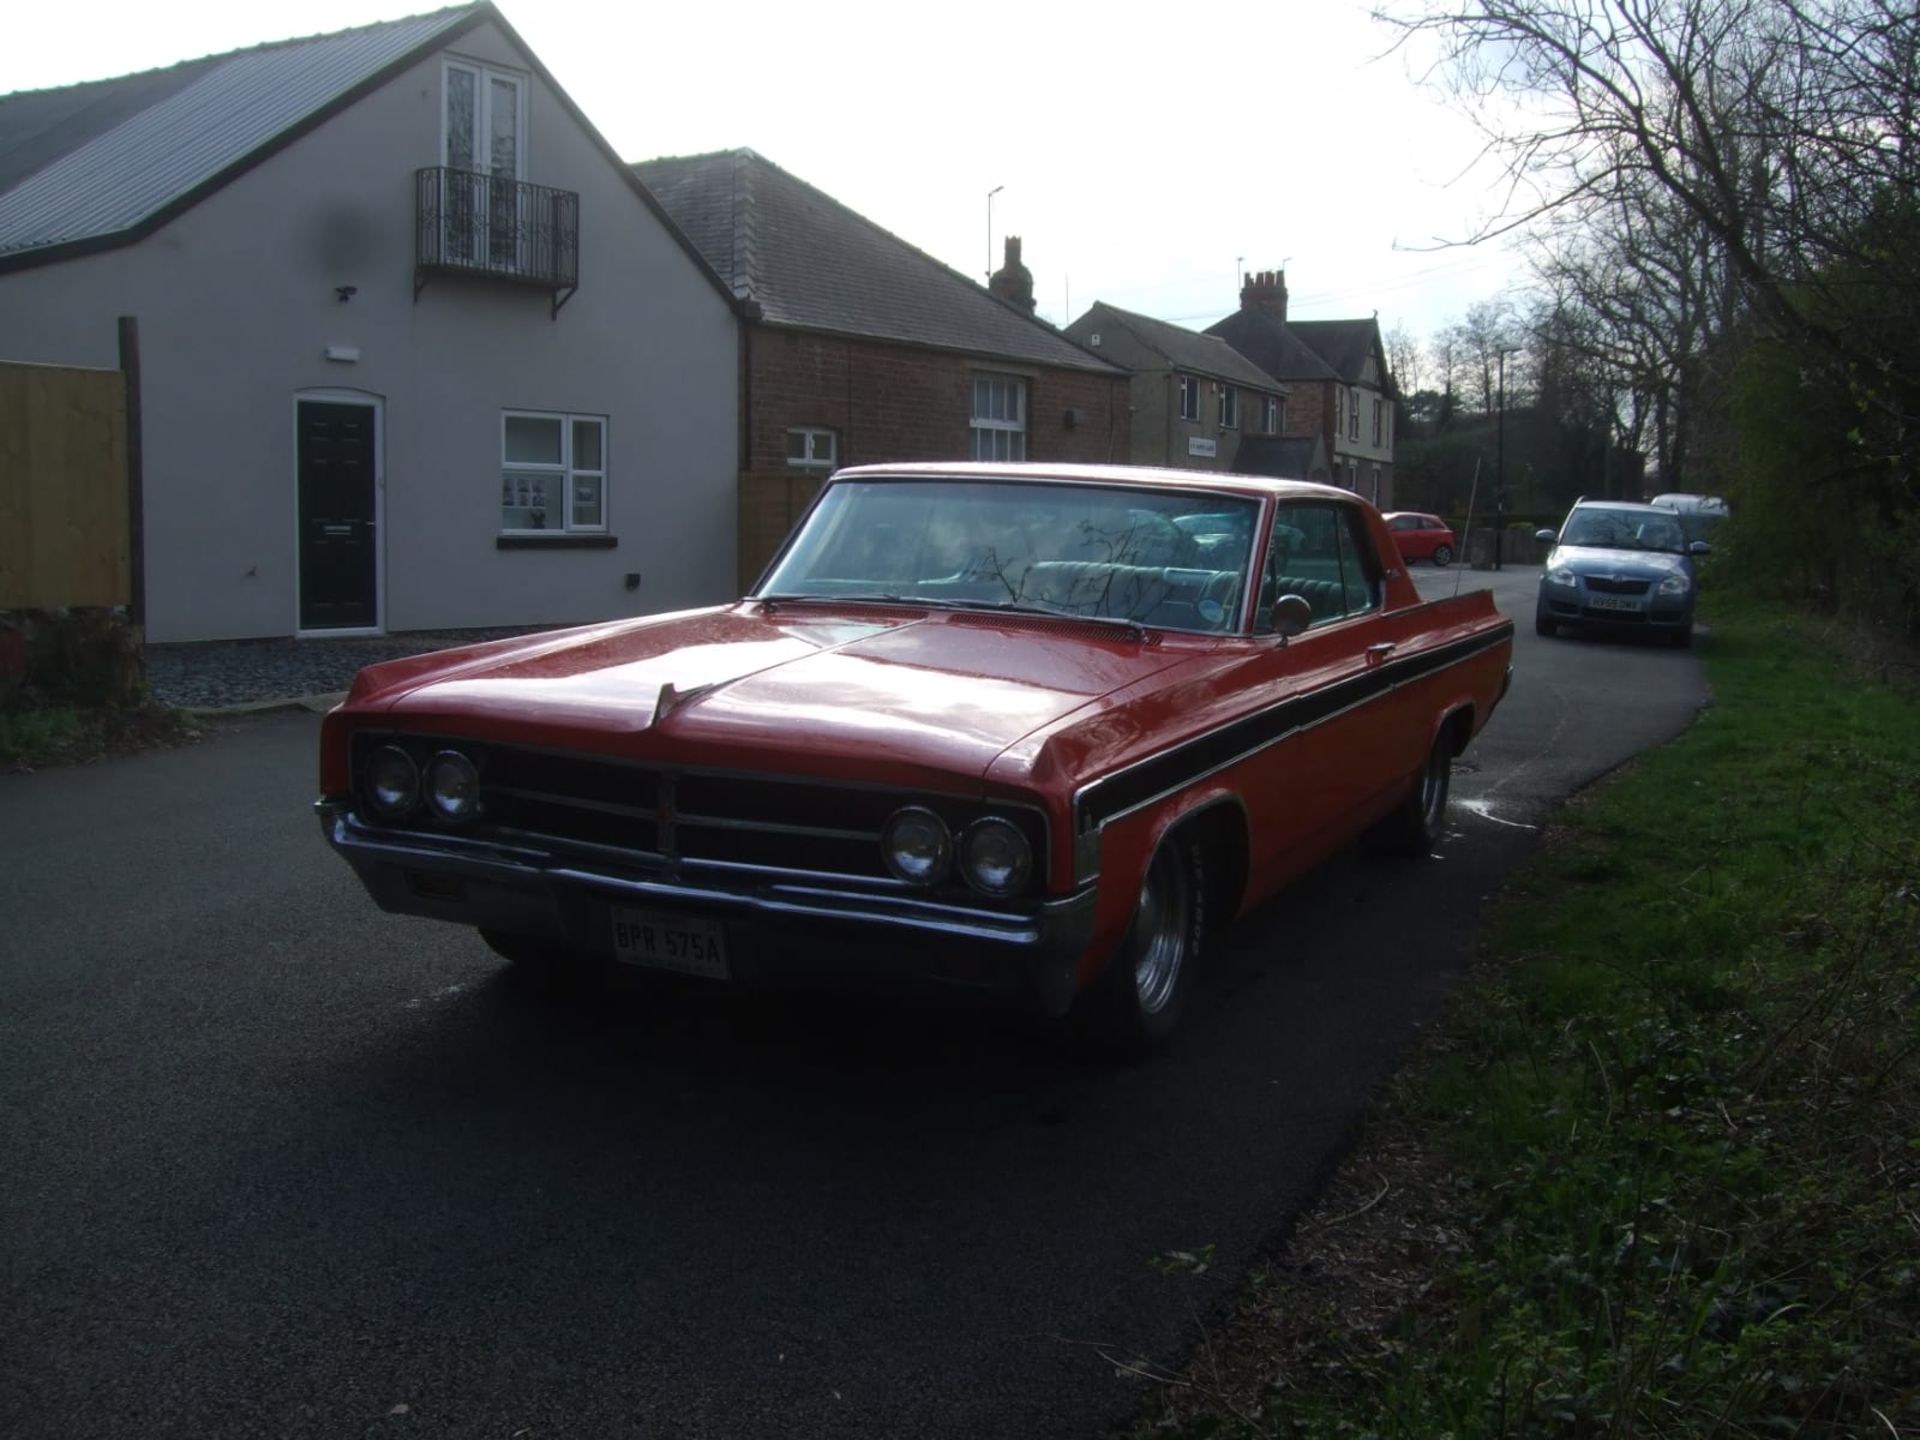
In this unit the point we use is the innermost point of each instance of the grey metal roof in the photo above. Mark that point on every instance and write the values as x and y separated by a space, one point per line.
811 263
1184 349
106 156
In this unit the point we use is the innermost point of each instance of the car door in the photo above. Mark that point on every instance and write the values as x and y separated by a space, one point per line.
1325 699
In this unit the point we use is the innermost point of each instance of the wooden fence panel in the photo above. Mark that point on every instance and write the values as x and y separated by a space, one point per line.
770 506
64 517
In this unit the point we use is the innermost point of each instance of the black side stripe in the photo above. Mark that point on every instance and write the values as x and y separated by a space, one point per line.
1161 774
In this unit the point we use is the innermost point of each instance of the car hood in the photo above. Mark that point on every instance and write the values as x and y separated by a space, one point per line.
794 688
1628 564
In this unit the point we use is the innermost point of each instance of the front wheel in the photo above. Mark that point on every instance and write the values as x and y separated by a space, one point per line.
1133 1007
1417 826
1543 626
1443 555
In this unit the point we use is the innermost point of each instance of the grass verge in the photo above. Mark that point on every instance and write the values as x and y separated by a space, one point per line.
1660 1173
33 739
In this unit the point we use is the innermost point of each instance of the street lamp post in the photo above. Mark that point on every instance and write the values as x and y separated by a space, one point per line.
1500 459
990 194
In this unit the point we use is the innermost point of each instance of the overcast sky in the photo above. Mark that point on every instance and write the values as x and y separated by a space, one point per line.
1146 153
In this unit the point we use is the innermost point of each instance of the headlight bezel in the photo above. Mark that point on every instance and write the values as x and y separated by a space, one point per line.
939 856
407 793
1564 577
1018 865
1675 584
469 772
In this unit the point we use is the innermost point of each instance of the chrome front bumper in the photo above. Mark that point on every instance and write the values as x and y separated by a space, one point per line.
780 927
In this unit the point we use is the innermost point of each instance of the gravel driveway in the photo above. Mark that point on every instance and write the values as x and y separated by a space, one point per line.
223 674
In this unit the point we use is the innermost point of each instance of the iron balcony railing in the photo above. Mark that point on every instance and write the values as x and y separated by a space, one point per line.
471 223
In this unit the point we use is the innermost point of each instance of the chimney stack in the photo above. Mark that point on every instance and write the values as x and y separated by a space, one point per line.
1266 291
1013 282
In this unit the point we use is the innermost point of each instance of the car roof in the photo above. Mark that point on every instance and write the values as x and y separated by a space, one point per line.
1633 505
1145 477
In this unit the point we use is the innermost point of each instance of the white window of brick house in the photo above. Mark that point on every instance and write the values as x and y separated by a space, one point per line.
1229 407
1353 415
1376 422
1374 493
809 447
1189 397
999 417
553 472
1270 415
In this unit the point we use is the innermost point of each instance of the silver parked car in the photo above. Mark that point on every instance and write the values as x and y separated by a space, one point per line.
1619 565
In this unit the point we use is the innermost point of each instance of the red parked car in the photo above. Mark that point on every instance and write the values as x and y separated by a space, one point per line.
1421 537
1034 730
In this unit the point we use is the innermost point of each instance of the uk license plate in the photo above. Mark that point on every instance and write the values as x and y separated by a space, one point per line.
666 940
1612 602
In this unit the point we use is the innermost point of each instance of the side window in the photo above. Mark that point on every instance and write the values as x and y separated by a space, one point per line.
1317 553
1359 581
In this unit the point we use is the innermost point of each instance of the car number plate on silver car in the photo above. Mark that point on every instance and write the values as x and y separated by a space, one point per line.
664 940
1612 602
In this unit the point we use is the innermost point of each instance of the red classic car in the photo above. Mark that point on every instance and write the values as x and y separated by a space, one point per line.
1034 730
1420 536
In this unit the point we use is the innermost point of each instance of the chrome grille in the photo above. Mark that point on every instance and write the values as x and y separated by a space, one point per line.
658 816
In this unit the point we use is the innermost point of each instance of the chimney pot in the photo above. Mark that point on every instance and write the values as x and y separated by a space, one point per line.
1266 292
1013 282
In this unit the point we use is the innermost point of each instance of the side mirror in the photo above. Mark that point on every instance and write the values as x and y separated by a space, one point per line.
1699 547
1291 615
1546 537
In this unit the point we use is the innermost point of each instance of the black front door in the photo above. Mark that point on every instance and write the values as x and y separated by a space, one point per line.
338 578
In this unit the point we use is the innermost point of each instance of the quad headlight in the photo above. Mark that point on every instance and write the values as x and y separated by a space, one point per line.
995 857
917 845
453 786
393 781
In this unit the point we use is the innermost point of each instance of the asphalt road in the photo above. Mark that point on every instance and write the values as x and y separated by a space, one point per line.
273 1163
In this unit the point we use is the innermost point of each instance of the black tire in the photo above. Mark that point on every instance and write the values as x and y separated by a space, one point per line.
1420 822
1683 637
1443 555
1543 626
1131 1010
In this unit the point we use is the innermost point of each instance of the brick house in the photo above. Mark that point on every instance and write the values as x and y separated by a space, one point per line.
1196 401
857 347
1336 372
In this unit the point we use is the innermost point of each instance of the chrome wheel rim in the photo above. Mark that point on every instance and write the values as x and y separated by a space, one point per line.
1162 927
1433 788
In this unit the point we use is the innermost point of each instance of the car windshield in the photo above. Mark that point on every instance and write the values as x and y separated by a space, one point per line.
1172 559
1623 530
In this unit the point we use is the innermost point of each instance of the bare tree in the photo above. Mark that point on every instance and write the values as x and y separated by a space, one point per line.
1771 133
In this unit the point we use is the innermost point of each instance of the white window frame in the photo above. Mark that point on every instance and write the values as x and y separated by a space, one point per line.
1353 414
1270 414
483 76
1376 422
1229 407
813 458
565 472
1189 397
985 427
